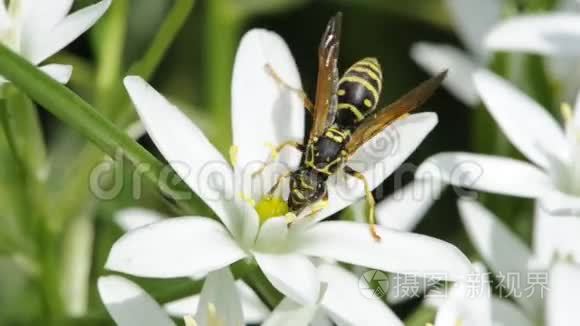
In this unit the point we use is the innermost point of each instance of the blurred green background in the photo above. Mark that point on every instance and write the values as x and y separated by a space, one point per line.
195 74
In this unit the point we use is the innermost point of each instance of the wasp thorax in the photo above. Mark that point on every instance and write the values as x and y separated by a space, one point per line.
271 206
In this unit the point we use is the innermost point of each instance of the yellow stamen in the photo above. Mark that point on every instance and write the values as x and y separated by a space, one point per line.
271 206
189 321
234 150
566 111
212 317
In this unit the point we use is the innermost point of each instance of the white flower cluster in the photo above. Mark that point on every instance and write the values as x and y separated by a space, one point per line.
551 179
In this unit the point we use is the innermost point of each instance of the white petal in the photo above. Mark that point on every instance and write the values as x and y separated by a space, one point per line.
247 222
60 73
398 252
378 159
129 305
493 174
562 300
404 209
499 247
504 312
555 236
291 274
219 290
273 234
290 313
176 247
264 112
39 47
547 34
254 310
473 21
136 217
186 148
5 19
468 302
561 204
459 81
345 301
38 17
526 124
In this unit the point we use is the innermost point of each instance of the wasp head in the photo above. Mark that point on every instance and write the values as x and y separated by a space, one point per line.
307 186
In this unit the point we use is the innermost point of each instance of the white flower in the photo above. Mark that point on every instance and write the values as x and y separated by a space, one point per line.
341 302
344 301
555 287
37 29
554 177
472 303
472 19
129 305
554 34
254 311
264 112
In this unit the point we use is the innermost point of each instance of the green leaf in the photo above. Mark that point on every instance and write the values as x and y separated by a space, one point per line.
259 7
76 184
432 11
80 115
164 38
25 132
421 316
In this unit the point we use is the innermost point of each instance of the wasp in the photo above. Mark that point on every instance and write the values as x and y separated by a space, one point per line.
344 117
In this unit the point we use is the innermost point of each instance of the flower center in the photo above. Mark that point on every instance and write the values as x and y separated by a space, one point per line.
271 206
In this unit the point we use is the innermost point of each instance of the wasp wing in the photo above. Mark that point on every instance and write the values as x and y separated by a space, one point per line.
326 100
380 119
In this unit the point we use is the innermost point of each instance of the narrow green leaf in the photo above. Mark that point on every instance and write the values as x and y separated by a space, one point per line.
421 316
164 38
259 7
25 131
73 110
76 184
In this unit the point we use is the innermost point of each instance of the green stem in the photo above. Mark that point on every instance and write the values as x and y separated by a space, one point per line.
110 54
223 28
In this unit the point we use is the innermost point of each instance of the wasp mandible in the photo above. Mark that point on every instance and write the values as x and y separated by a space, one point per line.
344 117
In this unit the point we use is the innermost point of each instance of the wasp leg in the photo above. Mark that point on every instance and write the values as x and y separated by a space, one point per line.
276 152
307 102
370 201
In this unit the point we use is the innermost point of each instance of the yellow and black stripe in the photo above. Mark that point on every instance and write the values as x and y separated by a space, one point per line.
358 92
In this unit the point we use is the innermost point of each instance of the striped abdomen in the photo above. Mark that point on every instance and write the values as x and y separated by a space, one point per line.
358 92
